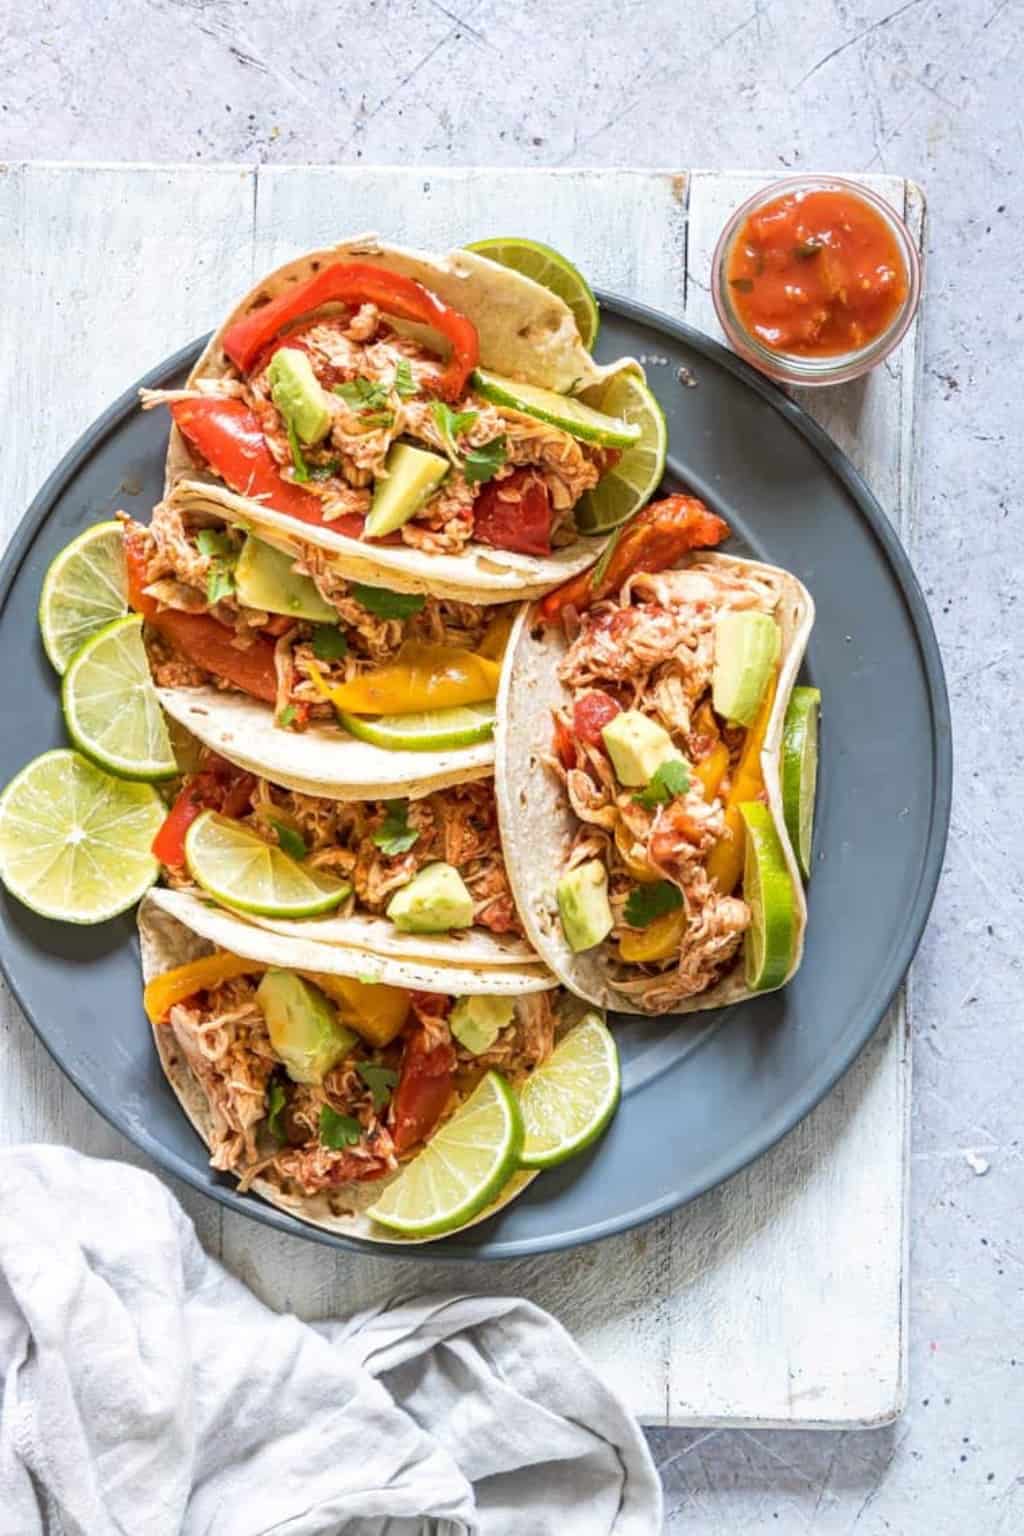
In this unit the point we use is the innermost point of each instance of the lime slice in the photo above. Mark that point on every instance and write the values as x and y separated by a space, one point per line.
551 271
461 1169
631 483
83 590
431 731
568 1101
111 708
241 870
800 771
768 892
563 411
74 843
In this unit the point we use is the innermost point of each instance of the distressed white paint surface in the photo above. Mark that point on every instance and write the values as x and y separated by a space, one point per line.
735 1310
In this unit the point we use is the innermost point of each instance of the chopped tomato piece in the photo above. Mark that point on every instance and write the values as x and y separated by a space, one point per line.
653 541
565 746
424 1088
514 514
591 713
356 283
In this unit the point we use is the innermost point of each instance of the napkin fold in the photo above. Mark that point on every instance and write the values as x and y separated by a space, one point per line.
147 1390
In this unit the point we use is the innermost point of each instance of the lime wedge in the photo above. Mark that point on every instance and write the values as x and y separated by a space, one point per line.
241 870
569 1101
74 843
800 771
431 731
551 271
83 590
768 892
632 482
111 708
461 1169
563 411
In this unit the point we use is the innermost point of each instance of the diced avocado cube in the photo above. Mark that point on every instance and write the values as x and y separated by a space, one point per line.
476 1021
747 647
303 1026
298 395
435 900
265 577
637 747
583 903
411 477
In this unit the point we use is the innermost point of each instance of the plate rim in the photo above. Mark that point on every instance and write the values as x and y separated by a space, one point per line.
758 1143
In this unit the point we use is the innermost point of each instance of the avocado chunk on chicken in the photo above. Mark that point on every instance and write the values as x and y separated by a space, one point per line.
266 578
412 476
584 906
303 1026
637 746
435 900
298 395
477 1021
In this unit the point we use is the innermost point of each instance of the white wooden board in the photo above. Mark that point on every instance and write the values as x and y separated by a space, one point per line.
777 1299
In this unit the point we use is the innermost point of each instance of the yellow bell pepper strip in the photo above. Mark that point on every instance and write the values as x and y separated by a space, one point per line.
710 770
375 1011
421 677
639 869
184 981
725 861
495 637
660 940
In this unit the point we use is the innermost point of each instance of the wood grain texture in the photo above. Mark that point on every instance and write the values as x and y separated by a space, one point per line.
686 1316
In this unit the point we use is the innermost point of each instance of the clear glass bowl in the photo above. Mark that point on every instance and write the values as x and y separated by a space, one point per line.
793 368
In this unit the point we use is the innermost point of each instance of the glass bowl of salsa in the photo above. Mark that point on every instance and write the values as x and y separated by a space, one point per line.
815 280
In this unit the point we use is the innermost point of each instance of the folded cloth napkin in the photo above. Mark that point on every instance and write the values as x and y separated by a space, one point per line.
147 1393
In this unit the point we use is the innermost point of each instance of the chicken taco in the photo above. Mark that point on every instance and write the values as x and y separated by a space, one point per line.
429 422
320 1091
327 685
638 770
422 879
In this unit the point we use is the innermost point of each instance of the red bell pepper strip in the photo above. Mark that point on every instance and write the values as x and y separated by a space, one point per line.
424 1088
218 786
199 638
522 524
230 439
653 541
356 283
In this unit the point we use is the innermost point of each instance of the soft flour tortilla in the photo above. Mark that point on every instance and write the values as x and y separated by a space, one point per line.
174 929
537 821
525 333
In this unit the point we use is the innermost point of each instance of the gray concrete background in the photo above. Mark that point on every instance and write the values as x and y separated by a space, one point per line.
928 89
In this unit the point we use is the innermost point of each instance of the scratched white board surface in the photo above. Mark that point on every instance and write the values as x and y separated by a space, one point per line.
753 1305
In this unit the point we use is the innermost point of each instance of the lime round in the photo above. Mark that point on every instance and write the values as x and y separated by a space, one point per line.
74 843
768 892
431 731
800 771
569 1101
461 1169
83 590
551 271
241 870
632 482
564 411
111 708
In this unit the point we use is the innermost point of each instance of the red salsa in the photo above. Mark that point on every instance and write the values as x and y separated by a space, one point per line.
816 273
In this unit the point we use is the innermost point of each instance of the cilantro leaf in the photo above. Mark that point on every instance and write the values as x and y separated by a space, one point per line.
290 842
362 394
338 1131
215 544
377 418
646 902
220 582
330 642
379 1080
387 605
405 385
325 471
287 716
597 575
275 1104
300 467
449 424
219 548
394 835
668 781
483 463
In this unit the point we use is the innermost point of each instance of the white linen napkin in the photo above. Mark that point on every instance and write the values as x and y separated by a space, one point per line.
147 1391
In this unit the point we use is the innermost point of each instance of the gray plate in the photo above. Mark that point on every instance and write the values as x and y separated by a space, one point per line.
702 1098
